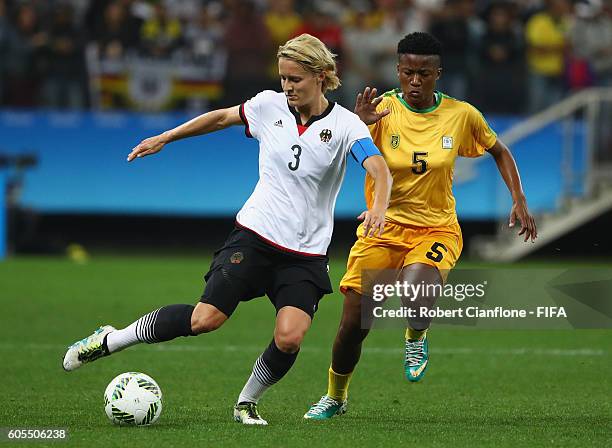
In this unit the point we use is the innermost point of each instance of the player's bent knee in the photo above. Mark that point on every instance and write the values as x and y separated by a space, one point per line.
205 324
288 341
291 326
206 318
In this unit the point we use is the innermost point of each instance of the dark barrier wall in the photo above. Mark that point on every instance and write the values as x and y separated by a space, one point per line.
125 234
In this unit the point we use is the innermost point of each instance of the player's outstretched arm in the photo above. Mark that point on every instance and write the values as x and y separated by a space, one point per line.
507 167
374 218
365 106
203 124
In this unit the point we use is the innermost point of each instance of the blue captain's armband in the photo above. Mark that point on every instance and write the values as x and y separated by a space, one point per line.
364 148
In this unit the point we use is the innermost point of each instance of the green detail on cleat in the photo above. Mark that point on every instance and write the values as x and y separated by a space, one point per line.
417 358
92 347
326 408
87 349
247 414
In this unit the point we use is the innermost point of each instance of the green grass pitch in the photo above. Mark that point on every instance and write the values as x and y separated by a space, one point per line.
482 388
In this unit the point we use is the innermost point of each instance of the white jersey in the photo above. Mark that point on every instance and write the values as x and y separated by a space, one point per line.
301 168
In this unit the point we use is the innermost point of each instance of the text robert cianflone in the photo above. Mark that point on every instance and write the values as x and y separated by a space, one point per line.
470 312
411 291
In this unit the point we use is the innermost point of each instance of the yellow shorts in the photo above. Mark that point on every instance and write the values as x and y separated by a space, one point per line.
400 246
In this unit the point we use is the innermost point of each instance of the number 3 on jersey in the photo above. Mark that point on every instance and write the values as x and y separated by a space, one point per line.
297 152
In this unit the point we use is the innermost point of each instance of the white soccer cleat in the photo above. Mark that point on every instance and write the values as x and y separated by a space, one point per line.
246 413
87 350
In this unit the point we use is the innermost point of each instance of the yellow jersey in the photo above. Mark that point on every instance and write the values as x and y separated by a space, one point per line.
420 148
544 30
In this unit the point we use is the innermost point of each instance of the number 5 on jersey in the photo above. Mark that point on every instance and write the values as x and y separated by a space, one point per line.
435 254
419 163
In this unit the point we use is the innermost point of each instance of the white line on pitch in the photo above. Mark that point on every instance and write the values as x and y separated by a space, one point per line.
371 350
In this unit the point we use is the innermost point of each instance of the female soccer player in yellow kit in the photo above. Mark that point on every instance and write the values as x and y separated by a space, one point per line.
420 133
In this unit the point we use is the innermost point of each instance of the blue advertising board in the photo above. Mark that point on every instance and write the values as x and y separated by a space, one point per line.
82 168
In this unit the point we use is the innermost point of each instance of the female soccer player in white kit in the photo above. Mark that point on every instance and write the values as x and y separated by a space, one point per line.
278 247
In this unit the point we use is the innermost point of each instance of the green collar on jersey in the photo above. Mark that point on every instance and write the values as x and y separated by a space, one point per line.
437 97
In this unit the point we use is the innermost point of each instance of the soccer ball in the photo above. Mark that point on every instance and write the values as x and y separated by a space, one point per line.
133 398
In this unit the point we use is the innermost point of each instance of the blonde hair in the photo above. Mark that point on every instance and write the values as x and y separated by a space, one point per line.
314 56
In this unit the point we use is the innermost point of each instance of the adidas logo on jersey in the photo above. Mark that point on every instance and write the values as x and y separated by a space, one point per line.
279 123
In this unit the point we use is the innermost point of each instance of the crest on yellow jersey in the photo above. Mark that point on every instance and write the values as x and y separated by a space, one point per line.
395 141
447 142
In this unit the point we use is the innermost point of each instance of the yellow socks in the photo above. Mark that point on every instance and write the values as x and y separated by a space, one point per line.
337 386
414 334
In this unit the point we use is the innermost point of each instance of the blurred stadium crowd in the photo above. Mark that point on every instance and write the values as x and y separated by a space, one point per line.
503 56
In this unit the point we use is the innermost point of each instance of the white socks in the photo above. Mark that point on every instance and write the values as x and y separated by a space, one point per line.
120 339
